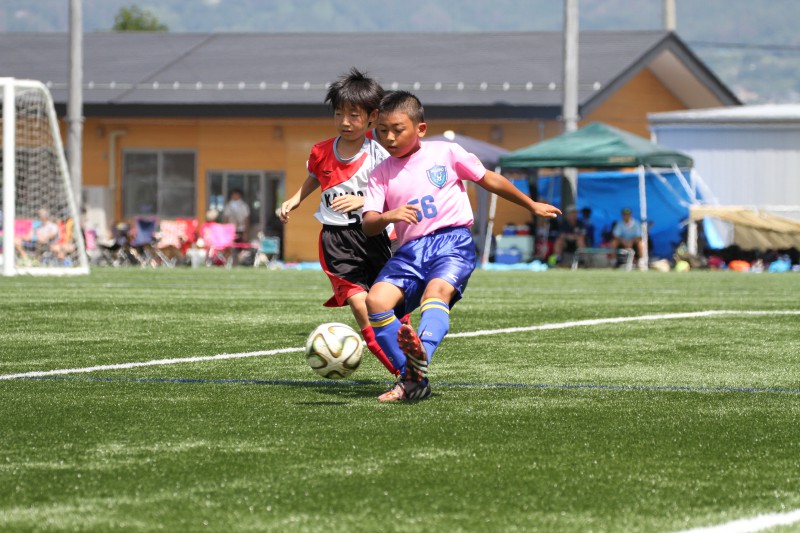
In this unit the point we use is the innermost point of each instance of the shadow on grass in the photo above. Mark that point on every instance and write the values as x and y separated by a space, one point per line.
367 388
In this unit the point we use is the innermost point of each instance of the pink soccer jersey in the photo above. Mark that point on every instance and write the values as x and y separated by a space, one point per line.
431 178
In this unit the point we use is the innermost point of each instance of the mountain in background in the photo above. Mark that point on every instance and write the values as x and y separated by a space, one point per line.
752 45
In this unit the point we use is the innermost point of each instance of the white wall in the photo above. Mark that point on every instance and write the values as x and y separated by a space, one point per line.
743 164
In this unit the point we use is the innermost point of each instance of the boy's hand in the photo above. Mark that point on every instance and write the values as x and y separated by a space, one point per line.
285 208
347 203
545 210
405 213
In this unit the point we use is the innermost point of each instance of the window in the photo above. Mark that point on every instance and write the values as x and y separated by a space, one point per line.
160 183
263 192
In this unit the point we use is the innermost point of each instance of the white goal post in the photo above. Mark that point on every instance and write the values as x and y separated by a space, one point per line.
41 228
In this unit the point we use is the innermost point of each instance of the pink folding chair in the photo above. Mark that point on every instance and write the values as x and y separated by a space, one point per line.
219 241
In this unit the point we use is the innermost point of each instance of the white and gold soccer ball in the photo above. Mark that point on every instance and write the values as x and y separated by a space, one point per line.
334 350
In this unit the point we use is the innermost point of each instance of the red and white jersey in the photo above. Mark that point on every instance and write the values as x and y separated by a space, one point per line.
339 176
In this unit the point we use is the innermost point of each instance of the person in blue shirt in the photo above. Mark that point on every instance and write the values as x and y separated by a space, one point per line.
627 233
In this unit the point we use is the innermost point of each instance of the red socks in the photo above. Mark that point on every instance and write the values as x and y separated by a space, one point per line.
372 344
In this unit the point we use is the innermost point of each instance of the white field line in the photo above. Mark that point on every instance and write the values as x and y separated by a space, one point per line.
750 525
599 321
155 362
219 357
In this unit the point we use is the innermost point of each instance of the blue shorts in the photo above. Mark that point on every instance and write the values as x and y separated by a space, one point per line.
448 254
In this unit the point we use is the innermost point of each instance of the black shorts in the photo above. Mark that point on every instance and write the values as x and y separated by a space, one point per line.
351 260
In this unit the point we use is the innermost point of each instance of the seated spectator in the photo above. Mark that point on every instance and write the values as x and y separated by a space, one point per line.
627 233
44 233
588 225
571 235
63 247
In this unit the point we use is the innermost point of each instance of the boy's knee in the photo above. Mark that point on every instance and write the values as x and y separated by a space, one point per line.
441 290
375 304
370 301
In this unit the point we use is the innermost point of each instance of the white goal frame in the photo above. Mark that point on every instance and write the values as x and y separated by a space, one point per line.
9 87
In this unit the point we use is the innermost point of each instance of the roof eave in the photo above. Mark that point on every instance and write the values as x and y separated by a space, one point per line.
669 43
216 110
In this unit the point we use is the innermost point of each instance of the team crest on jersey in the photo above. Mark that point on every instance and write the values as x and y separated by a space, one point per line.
438 175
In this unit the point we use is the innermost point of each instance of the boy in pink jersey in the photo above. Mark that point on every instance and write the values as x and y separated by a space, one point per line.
420 190
341 166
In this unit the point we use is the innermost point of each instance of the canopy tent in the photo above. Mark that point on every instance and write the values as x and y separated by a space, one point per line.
599 145
607 192
489 155
753 230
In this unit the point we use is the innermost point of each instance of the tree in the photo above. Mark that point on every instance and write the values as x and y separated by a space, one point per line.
134 18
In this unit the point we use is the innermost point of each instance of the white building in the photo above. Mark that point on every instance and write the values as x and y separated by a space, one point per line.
747 156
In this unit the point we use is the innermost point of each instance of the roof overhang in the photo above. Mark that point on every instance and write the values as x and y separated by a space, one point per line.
681 72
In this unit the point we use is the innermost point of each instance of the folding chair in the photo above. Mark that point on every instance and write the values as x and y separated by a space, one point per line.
23 238
268 251
117 251
220 241
170 239
142 243
190 229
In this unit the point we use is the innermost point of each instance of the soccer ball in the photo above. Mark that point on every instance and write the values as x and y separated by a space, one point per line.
334 350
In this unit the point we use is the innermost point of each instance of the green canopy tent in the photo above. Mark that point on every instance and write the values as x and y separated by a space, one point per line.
599 145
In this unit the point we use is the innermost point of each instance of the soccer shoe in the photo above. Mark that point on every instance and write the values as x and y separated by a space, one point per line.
396 394
417 390
406 391
406 319
416 358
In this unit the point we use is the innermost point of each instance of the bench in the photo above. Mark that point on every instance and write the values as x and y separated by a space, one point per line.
603 258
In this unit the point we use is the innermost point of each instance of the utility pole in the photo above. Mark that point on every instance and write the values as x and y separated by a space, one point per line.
570 108
569 112
670 18
75 100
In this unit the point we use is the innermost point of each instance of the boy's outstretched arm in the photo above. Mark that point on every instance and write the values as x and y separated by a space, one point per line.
374 223
499 185
310 185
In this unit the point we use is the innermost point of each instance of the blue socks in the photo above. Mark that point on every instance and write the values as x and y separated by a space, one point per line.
434 324
385 325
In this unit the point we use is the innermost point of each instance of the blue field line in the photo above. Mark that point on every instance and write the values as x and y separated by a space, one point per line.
465 384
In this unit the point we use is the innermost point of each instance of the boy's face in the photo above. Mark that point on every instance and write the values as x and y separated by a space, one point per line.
399 134
352 122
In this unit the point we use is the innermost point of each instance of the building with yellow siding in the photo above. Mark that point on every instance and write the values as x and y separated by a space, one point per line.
174 121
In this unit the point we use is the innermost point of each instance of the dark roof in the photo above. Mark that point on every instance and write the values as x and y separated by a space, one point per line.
491 74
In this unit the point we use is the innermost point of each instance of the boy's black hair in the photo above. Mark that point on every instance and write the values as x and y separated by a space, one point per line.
357 89
405 102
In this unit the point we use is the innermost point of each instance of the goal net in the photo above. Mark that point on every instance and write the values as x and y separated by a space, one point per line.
41 230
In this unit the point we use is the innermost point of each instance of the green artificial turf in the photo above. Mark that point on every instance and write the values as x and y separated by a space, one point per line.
647 425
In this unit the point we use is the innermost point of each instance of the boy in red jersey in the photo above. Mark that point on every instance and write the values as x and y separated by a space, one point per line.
341 166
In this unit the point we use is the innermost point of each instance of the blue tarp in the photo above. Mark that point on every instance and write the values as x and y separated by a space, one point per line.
606 193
